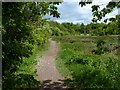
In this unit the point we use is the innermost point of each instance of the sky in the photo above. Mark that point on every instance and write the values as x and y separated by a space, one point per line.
71 11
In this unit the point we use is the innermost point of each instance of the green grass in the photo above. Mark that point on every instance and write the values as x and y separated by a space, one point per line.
76 61
71 38
29 64
61 66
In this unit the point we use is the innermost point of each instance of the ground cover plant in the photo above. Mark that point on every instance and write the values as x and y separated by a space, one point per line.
84 68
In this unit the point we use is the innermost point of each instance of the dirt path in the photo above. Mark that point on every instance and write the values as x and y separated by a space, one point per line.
47 72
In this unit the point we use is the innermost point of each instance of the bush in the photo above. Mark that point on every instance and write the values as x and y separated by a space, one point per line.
100 49
20 82
94 72
89 70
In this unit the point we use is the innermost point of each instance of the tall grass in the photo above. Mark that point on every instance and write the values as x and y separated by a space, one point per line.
29 64
85 69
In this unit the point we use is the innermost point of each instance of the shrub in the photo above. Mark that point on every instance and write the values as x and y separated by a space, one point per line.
94 72
100 49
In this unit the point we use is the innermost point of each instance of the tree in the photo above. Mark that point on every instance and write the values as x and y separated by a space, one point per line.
99 14
18 34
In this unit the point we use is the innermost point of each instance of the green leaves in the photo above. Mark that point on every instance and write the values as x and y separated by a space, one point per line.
54 13
112 19
99 14
23 28
95 8
94 19
100 49
111 5
83 3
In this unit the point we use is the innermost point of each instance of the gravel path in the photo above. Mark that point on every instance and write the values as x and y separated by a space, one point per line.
47 72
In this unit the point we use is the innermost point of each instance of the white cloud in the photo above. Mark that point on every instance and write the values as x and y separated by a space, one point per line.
73 21
71 0
71 11
100 2
74 13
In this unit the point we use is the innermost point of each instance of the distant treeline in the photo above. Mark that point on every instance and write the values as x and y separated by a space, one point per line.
98 29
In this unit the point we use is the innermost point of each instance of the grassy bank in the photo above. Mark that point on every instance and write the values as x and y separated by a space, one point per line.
84 68
61 65
25 76
29 64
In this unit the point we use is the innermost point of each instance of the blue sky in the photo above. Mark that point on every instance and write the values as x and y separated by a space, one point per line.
70 11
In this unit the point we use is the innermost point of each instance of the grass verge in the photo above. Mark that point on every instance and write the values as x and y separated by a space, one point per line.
60 64
29 64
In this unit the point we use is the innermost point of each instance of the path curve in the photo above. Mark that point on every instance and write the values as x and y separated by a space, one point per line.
47 71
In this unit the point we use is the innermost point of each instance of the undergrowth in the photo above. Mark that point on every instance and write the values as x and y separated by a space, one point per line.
25 78
85 69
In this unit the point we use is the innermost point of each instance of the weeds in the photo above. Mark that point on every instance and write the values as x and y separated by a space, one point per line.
88 70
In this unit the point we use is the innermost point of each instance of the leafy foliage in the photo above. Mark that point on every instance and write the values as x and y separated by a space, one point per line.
89 70
22 28
99 29
99 14
100 48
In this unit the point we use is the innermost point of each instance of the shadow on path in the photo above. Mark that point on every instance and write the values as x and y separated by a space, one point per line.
58 85
49 85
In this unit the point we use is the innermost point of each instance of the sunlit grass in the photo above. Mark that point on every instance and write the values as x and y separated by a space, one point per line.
29 64
76 61
60 64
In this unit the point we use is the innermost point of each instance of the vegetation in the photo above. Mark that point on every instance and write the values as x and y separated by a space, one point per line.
86 69
23 29
98 13
96 29
87 59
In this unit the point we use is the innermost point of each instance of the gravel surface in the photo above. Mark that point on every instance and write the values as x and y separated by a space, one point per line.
47 72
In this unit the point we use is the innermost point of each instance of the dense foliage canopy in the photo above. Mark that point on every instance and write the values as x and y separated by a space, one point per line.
22 28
